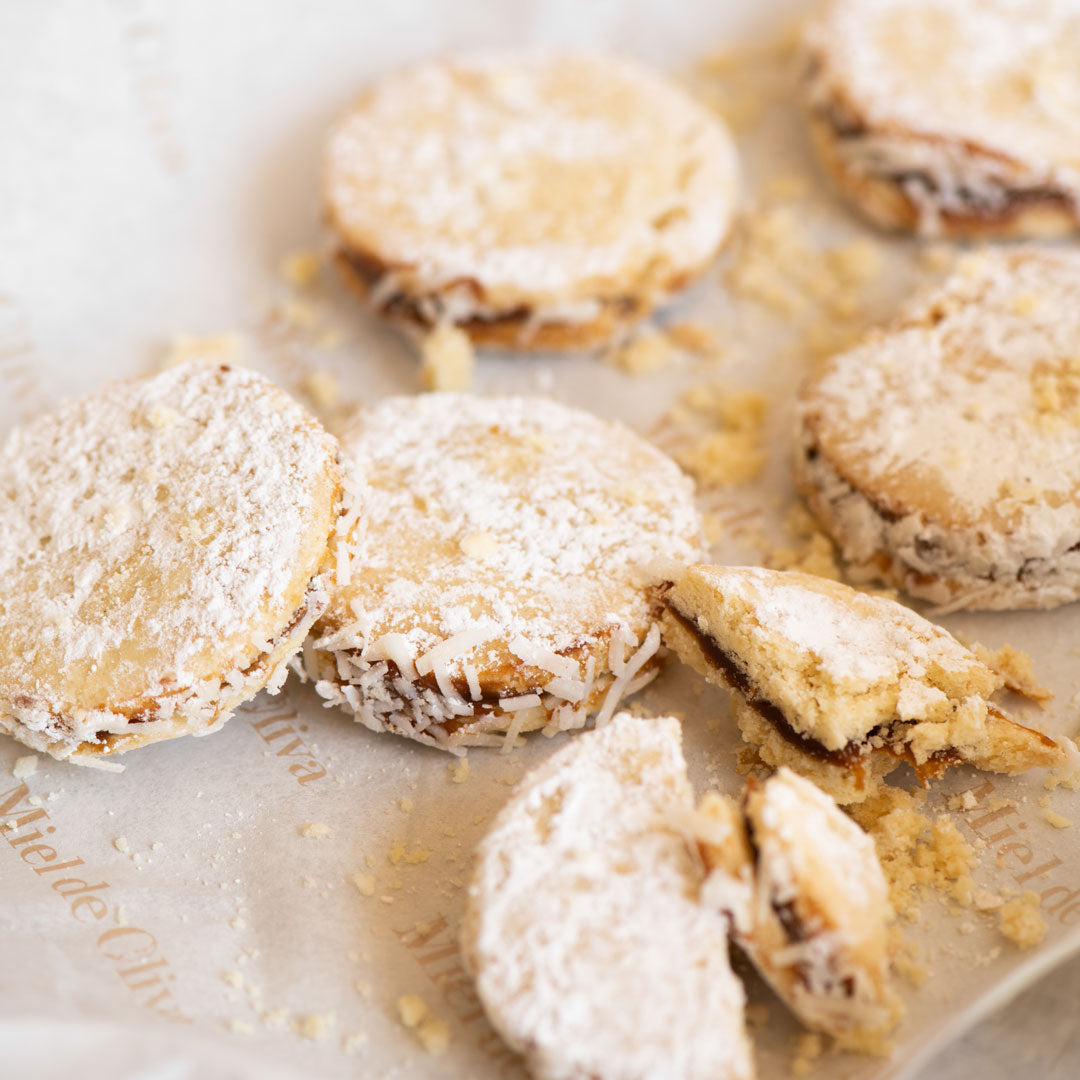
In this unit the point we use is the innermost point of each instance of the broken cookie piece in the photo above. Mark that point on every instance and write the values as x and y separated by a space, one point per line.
842 686
591 951
817 928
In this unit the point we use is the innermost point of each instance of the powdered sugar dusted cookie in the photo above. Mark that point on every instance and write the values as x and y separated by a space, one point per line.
943 454
162 543
591 951
539 200
954 117
818 924
841 686
497 577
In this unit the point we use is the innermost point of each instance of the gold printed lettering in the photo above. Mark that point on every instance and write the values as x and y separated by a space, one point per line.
116 933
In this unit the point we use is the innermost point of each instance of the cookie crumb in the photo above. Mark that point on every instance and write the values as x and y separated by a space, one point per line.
215 348
300 268
322 388
808 1050
1052 817
1019 920
459 770
315 1026
432 1033
365 883
1016 667
696 338
121 844
645 354
315 830
241 1027
24 766
757 1015
412 1009
446 359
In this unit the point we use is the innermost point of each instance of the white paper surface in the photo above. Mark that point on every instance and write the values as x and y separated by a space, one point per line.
159 160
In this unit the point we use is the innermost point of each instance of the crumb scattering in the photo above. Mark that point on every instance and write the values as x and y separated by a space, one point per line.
316 830
917 853
459 770
432 1033
731 449
1052 817
121 844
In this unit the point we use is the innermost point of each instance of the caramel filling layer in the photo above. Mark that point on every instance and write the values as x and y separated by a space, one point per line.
846 757
371 272
1008 202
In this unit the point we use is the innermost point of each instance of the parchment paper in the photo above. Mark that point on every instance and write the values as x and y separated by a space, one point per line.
159 160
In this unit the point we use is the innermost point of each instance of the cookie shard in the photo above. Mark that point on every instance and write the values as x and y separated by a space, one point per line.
591 952
818 930
830 681
498 573
948 117
539 200
166 543
941 452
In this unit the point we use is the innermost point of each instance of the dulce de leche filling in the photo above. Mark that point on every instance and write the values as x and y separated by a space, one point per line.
723 661
371 272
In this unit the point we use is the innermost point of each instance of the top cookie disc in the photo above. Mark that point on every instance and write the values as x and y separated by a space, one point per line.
538 199
943 453
968 110
159 546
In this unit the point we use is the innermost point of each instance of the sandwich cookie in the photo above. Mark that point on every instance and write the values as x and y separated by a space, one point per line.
841 686
499 570
951 117
163 543
592 953
537 200
942 454
817 929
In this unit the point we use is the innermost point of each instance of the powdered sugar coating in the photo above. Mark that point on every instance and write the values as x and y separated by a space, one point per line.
503 547
805 841
961 426
536 178
997 76
850 636
156 538
591 952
